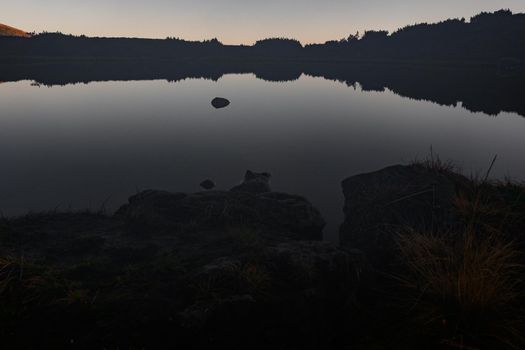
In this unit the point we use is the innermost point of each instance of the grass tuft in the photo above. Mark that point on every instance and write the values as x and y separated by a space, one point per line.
466 288
435 163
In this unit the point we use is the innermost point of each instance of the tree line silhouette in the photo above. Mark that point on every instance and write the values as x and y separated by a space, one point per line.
498 36
486 37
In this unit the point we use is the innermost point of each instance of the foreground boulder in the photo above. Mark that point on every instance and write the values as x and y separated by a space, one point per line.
251 204
380 204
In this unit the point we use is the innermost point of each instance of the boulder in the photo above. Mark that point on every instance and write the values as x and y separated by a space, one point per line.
208 184
381 204
220 102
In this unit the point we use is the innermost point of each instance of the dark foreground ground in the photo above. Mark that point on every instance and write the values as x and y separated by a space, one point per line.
428 259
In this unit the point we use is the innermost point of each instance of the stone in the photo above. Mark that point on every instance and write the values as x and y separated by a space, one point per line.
208 184
220 102
254 183
381 204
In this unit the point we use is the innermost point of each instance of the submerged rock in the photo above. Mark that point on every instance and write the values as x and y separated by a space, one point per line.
220 102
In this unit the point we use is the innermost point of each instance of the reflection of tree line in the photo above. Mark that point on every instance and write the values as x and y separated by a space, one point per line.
484 88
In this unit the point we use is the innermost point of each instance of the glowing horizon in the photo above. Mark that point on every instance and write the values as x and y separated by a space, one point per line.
237 21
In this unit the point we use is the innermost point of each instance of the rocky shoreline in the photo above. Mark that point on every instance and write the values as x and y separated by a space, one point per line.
241 268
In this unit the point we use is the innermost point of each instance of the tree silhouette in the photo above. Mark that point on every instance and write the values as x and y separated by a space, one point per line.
487 37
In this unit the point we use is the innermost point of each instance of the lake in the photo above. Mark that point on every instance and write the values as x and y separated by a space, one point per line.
66 146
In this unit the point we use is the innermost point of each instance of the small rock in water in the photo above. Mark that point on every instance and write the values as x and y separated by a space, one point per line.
208 184
219 102
254 183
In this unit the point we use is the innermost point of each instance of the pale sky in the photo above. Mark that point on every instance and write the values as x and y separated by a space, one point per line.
236 21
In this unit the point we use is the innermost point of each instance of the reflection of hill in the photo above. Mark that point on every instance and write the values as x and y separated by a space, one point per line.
481 89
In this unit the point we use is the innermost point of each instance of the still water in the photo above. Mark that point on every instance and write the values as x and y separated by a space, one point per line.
79 146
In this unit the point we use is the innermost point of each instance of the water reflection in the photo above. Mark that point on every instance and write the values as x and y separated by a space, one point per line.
479 88
84 145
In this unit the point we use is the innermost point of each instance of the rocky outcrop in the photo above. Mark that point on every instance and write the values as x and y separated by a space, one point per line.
228 269
235 269
380 204
251 204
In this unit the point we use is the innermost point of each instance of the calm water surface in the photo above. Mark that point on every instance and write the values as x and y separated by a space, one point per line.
79 146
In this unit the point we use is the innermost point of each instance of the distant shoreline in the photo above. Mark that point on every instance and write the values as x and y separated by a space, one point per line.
495 38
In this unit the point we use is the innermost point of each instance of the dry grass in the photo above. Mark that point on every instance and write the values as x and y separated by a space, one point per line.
248 278
246 236
255 279
23 284
483 214
492 206
467 286
435 163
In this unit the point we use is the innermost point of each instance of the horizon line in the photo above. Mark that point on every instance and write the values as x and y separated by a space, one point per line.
265 38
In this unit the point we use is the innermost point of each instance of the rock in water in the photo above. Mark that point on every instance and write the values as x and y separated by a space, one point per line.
219 102
208 184
254 183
